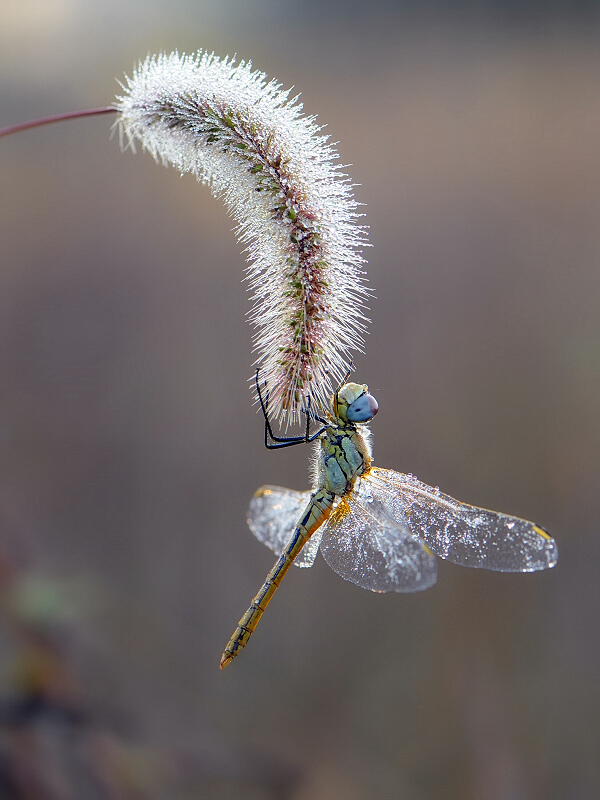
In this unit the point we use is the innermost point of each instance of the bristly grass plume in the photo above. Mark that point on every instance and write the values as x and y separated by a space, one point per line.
294 208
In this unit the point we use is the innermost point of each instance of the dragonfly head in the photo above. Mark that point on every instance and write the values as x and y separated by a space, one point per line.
353 403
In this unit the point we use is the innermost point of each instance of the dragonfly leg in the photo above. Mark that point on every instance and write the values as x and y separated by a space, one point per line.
273 442
317 511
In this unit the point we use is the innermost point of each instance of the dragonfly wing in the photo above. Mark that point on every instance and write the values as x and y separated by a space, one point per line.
464 534
375 552
272 518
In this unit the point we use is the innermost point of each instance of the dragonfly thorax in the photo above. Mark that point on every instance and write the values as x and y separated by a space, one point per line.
344 455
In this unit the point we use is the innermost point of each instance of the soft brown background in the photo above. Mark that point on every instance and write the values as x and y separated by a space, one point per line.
130 447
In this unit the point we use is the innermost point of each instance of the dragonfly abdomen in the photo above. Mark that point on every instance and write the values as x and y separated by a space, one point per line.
315 514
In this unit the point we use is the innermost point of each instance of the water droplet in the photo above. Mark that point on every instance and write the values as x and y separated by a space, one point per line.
369 498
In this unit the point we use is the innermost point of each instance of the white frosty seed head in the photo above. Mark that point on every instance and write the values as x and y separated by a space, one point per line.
295 210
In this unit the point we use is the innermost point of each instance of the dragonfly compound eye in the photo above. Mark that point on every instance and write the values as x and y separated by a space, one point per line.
362 409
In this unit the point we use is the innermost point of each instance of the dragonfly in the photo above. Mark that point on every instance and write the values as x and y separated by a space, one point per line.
377 528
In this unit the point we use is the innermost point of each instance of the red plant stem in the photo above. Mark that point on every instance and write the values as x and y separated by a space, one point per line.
36 123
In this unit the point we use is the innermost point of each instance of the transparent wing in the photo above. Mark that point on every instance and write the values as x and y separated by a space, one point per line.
464 534
375 552
272 517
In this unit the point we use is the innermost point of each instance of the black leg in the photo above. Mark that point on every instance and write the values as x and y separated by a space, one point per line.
284 441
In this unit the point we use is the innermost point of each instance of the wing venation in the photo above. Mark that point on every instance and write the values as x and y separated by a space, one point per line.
461 533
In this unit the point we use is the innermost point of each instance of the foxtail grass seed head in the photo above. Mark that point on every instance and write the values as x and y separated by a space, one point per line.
294 208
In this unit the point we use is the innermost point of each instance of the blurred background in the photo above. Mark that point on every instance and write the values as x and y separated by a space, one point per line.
130 446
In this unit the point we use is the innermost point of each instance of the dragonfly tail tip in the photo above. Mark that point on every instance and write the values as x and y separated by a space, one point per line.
225 659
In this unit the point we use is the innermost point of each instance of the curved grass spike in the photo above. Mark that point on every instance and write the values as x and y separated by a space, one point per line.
295 209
